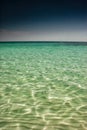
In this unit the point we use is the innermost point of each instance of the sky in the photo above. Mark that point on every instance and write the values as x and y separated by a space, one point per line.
43 20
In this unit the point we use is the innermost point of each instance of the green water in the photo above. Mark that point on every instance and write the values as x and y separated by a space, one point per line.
43 87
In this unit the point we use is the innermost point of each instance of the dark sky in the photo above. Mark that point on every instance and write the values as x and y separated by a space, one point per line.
21 19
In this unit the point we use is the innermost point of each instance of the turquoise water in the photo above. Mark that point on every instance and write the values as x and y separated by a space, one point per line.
43 87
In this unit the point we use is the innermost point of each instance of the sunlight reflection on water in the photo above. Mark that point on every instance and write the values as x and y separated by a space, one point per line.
43 87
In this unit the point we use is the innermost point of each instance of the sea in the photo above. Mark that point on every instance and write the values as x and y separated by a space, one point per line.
43 86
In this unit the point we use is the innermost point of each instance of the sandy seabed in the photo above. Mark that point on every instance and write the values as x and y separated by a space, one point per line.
43 87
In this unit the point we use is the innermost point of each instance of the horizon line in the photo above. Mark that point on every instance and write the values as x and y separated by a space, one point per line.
47 41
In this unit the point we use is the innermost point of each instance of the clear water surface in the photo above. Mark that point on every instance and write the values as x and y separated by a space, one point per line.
43 87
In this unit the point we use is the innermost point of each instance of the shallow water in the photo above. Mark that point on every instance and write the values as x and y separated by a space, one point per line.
43 87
